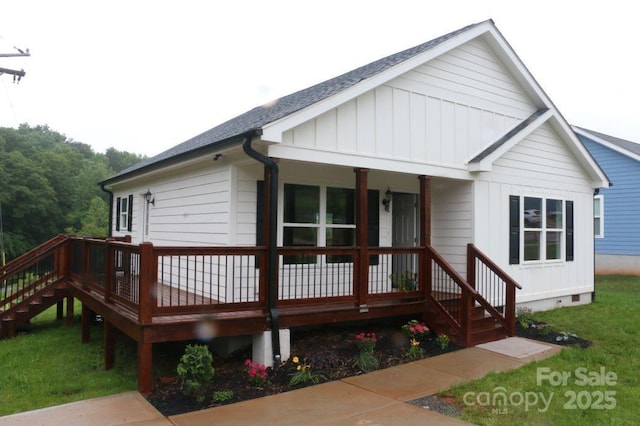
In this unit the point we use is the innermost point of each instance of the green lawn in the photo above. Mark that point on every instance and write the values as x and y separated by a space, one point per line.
50 366
602 382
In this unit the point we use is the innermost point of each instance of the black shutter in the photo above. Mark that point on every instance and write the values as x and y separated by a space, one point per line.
514 230
569 209
130 214
373 217
118 214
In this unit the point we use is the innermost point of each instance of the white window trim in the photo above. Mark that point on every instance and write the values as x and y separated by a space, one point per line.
601 216
321 226
543 230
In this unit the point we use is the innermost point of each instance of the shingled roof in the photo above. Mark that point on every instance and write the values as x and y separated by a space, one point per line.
632 147
252 121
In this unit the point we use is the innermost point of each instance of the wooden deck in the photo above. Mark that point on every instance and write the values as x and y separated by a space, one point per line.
160 294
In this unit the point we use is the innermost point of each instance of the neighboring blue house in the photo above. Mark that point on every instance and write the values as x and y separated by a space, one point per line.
616 218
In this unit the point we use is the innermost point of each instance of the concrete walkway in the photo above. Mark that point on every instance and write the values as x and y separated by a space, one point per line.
375 398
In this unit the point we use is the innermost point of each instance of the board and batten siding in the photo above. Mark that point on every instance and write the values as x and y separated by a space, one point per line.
621 201
441 113
539 166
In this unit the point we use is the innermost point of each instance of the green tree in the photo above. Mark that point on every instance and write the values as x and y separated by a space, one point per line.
50 185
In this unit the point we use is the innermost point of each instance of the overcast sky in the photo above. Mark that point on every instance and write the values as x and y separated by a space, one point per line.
143 76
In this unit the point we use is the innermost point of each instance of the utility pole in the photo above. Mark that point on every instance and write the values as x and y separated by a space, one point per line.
17 75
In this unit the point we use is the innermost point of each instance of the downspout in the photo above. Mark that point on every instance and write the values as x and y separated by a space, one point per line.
272 255
110 209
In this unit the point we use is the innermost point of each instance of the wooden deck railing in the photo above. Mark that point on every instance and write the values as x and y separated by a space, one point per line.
28 274
494 285
165 281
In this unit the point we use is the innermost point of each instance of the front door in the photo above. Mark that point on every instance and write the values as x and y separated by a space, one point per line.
404 228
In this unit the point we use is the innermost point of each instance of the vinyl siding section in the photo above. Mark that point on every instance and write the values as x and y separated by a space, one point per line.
538 166
192 207
441 113
621 201
452 221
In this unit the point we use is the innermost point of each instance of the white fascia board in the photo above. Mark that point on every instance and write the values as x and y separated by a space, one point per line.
273 131
598 178
486 164
607 144
373 162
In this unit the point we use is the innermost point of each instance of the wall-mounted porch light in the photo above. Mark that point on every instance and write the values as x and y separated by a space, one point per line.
386 201
149 198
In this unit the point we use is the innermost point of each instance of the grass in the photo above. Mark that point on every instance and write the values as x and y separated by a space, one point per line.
612 323
50 366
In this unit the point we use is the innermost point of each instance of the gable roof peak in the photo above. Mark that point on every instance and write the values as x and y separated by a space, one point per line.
252 121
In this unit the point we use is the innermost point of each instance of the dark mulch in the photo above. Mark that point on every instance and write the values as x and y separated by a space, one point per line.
330 350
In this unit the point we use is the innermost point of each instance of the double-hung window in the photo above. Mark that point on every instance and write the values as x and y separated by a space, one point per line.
318 216
541 230
124 217
598 216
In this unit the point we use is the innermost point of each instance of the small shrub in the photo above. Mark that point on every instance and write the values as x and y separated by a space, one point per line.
304 374
524 316
196 371
222 396
257 373
542 329
442 341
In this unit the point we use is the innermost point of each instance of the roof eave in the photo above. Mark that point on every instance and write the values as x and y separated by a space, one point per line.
217 146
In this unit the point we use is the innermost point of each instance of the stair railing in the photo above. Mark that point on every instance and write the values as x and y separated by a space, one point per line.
28 274
494 285
453 297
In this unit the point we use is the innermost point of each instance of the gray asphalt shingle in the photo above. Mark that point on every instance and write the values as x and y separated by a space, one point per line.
258 117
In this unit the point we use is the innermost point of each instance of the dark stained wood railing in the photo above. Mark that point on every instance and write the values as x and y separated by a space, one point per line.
208 279
494 285
30 273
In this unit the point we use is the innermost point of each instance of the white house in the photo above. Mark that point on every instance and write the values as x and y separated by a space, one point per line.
444 144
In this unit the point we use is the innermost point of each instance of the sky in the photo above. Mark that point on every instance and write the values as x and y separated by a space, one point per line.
142 76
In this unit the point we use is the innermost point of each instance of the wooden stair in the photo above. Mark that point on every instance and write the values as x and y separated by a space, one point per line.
483 327
21 313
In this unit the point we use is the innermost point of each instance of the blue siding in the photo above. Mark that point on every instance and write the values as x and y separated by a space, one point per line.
621 201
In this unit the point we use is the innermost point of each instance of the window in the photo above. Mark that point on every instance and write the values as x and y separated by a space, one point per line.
542 230
598 216
124 214
324 217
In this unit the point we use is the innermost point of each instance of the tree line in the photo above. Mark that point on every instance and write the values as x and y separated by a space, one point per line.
49 185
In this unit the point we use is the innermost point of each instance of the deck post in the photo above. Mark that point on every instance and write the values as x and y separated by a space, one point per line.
145 361
148 277
109 265
510 310
60 310
424 271
362 239
425 210
69 320
85 324
471 266
109 343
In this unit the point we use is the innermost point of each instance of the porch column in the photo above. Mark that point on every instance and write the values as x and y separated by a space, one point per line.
109 344
425 210
361 271
424 268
